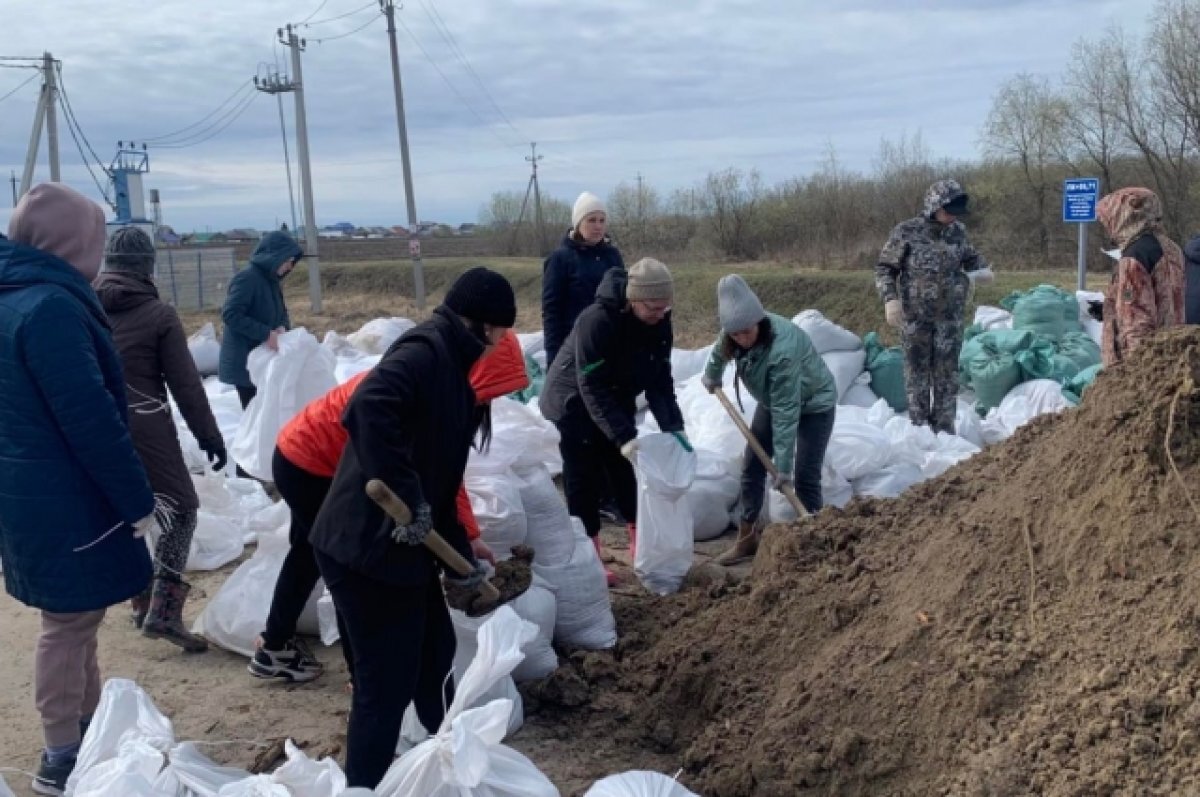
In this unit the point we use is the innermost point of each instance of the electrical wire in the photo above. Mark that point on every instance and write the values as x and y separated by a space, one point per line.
242 87
20 86
83 155
314 13
358 10
70 111
343 35
216 124
215 131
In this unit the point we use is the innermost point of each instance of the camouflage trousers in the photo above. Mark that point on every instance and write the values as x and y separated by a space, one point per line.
931 372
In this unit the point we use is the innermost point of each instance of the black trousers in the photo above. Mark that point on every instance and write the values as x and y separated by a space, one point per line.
812 438
303 493
593 465
403 642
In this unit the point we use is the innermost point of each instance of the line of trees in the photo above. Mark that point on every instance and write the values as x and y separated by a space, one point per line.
1126 110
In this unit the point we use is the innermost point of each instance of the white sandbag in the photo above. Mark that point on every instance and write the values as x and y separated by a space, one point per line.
238 612
890 481
992 317
1023 403
836 489
465 758
349 367
547 522
532 342
665 472
638 783
327 627
496 502
777 507
205 350
132 771
273 517
713 495
539 607
305 777
857 449
339 345
375 336
301 371
521 438
255 786
859 395
967 423
125 714
190 769
708 424
584 611
466 635
826 336
216 543
686 363
846 367
4 790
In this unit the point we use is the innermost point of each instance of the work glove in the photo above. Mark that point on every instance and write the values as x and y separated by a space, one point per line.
215 450
417 529
710 384
981 276
1096 309
782 480
682 437
629 450
147 525
894 313
469 581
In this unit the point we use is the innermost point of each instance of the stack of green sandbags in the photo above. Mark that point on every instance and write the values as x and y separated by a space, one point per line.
1075 352
886 367
1074 387
1045 310
990 364
537 378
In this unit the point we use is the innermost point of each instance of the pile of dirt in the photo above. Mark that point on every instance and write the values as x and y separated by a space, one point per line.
1026 624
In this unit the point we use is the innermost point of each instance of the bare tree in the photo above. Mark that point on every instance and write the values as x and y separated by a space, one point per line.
903 170
1092 123
730 200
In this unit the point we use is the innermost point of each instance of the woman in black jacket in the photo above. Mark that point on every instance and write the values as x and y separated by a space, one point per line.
411 424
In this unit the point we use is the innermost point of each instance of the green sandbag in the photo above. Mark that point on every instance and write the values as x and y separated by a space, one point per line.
1080 348
886 367
1037 359
1076 385
993 374
1064 369
1045 310
536 379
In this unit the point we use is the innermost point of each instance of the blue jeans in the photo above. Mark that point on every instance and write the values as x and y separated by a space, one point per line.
812 438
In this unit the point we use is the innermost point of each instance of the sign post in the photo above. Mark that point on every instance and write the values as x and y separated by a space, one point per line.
1079 207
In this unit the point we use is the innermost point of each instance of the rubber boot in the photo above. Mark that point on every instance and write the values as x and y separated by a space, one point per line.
632 529
139 605
164 620
744 547
609 576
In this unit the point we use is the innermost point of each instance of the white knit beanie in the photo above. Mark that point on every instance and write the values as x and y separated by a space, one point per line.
738 307
585 204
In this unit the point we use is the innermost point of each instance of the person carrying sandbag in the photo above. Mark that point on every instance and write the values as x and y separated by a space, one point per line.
153 347
797 403
924 275
1147 288
620 348
411 423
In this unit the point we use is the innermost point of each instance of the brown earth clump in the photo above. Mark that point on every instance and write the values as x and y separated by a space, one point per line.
1026 624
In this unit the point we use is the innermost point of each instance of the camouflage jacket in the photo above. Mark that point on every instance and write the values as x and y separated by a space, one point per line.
1146 292
924 265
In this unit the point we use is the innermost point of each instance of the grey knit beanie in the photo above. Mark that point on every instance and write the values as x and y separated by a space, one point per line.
737 306
130 249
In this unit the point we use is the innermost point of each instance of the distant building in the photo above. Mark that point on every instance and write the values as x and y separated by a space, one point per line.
399 231
167 236
468 229
205 238
243 235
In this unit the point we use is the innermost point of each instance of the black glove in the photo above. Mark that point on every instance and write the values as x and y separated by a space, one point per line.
417 530
1096 309
215 449
470 581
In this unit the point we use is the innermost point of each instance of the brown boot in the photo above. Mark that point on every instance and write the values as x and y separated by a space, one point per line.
164 620
139 605
744 547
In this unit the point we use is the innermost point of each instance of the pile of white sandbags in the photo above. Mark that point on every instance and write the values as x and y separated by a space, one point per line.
840 348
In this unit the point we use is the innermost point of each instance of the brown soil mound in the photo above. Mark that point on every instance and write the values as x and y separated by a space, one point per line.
893 648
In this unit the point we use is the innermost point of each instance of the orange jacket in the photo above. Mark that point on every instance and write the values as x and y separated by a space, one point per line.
314 439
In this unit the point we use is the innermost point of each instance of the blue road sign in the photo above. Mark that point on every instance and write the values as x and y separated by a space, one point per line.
1079 199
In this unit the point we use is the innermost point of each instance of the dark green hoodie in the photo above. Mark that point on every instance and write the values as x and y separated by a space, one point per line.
254 306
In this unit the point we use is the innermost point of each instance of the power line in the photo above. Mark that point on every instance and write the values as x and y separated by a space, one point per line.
343 35
314 13
83 155
243 87
358 10
20 86
69 110
236 113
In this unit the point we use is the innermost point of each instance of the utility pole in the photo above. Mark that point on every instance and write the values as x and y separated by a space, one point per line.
641 211
296 44
14 181
45 115
532 185
414 241
278 85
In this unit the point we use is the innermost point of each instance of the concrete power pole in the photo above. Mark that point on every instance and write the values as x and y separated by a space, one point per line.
45 115
15 182
277 85
531 186
414 241
296 44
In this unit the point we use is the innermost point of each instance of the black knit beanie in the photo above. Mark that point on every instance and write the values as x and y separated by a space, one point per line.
130 249
481 294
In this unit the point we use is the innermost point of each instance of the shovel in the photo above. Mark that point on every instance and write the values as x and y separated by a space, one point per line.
381 494
755 446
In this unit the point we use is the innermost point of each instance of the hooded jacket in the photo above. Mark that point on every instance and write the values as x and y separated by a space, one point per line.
411 422
1146 291
570 277
154 352
1191 280
70 480
786 376
607 361
254 306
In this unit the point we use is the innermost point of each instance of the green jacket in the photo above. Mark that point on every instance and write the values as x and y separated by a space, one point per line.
788 378
254 306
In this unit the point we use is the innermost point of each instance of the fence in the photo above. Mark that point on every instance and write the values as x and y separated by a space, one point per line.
195 279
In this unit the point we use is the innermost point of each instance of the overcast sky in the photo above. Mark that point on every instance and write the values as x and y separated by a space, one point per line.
671 88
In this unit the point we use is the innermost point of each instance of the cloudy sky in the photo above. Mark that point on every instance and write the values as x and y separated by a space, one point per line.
672 89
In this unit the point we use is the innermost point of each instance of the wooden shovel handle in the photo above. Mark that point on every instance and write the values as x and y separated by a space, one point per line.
381 494
758 450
